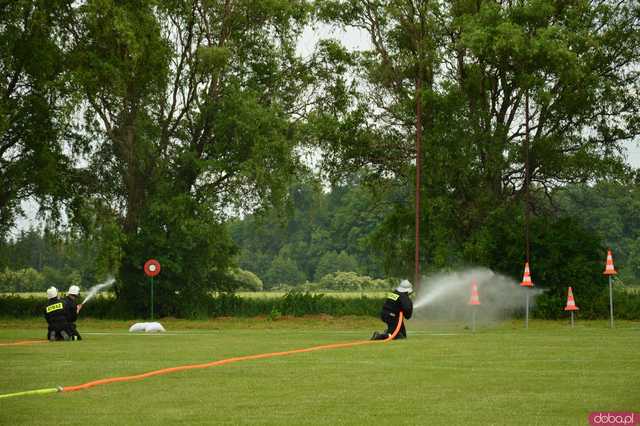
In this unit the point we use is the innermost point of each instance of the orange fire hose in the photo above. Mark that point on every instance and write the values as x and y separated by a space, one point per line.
230 360
209 364
23 342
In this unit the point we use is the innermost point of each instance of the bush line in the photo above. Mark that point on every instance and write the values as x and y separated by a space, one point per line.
626 306
222 305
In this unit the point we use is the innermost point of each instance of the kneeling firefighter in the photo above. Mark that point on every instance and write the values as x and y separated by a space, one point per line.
397 301
71 310
55 316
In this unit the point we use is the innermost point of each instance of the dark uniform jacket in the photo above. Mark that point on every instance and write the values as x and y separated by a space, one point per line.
395 303
70 309
55 314
71 313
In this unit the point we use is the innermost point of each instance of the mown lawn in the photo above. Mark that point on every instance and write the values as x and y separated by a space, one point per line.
442 375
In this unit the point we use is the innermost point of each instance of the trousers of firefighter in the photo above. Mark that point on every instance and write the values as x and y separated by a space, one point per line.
61 314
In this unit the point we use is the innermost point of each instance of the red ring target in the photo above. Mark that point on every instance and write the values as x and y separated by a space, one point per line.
152 267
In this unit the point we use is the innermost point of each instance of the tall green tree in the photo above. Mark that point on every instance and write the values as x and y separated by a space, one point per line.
609 210
190 103
34 107
566 68
326 230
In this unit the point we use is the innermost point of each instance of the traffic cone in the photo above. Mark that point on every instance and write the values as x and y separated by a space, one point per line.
526 278
609 269
475 298
571 303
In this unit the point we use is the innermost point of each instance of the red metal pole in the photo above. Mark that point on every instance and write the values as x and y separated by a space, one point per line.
418 172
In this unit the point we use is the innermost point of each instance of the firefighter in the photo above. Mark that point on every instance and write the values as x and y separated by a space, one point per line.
55 316
71 310
396 302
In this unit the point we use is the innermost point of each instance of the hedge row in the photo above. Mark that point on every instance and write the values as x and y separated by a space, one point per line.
626 306
294 304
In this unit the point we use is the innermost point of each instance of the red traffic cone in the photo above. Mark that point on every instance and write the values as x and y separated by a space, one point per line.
609 269
571 304
475 298
526 278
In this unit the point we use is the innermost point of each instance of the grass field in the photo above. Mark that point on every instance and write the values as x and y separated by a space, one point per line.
442 375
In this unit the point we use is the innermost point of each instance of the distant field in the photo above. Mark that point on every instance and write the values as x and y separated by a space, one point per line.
441 375
632 290
342 294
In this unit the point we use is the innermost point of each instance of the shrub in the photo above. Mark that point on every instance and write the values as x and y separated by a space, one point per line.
331 262
22 307
626 306
22 280
224 304
246 280
351 281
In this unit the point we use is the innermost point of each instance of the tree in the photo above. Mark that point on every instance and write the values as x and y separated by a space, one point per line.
490 69
22 280
320 224
247 280
351 281
34 106
191 102
326 265
609 210
334 262
283 270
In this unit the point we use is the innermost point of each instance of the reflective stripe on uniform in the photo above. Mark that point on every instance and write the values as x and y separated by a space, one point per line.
54 307
393 296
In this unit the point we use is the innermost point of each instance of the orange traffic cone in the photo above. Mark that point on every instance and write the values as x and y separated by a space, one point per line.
475 298
609 269
526 278
571 303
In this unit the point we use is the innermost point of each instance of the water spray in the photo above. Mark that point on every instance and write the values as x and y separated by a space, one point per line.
443 287
445 296
96 288
474 302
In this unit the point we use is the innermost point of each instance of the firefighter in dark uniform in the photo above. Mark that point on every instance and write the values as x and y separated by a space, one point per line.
71 310
396 302
56 319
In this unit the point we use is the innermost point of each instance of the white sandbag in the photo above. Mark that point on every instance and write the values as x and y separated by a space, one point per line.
146 327
154 327
138 327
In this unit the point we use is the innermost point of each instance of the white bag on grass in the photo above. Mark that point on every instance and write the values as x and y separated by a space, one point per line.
146 327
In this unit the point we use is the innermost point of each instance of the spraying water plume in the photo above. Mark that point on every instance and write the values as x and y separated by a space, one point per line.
446 295
96 288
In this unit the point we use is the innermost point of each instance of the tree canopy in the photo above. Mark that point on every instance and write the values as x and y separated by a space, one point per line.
177 129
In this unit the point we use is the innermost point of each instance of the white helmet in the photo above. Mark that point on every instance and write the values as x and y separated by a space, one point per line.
404 287
52 292
74 289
